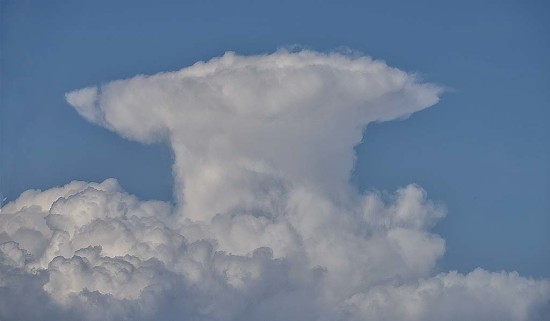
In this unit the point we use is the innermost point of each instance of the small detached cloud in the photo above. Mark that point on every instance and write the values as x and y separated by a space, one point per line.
266 225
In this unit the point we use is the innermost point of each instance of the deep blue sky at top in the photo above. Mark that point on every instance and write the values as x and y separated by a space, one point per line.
483 151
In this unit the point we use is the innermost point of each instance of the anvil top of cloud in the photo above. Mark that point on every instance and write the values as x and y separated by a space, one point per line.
265 225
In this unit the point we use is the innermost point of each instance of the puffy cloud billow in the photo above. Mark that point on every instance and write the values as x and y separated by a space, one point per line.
265 225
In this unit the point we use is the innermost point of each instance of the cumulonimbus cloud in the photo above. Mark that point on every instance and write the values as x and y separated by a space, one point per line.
265 226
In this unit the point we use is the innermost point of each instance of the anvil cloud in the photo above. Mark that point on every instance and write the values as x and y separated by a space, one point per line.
265 225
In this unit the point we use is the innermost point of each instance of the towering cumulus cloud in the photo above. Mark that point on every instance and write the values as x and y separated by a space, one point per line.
265 225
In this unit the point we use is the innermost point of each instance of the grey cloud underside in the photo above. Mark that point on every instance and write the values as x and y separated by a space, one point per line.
265 226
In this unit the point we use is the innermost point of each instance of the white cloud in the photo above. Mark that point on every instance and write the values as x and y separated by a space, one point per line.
236 123
479 295
266 225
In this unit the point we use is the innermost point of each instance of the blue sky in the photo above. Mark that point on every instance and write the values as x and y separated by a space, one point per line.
483 150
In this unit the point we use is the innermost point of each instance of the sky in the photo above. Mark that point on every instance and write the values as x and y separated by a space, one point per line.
466 154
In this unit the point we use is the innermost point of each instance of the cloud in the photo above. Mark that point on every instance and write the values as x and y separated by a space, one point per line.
265 225
234 122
